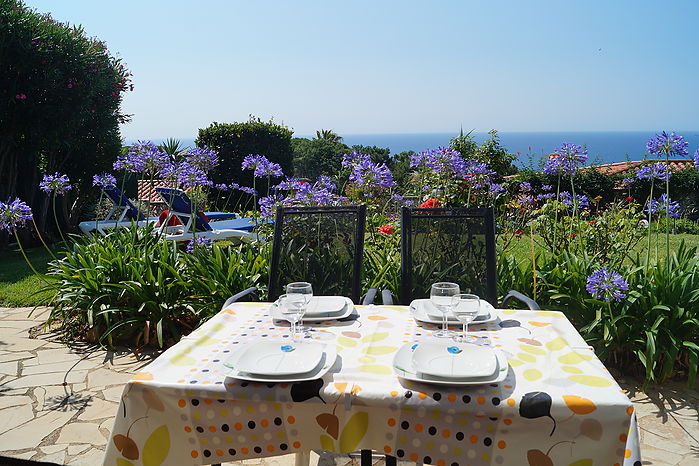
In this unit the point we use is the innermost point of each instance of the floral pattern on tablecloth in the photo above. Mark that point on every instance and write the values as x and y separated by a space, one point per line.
558 404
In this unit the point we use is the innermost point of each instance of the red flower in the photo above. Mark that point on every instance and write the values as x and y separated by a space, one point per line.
430 204
386 229
572 236
629 198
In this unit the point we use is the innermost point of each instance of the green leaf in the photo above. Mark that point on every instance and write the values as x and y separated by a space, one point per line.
353 432
157 447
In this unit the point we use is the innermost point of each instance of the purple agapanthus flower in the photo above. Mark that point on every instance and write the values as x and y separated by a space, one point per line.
268 168
327 182
103 180
14 214
657 171
496 188
252 161
696 159
664 206
353 158
299 194
203 158
525 187
545 196
669 145
189 176
580 199
200 242
607 284
222 187
247 190
369 175
443 160
547 187
566 160
626 182
56 184
143 157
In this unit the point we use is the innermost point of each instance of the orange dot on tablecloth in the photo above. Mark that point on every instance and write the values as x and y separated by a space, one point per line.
238 426
387 449
264 422
451 397
629 410
627 453
212 429
418 428
208 401
297 444
194 453
480 400
376 318
394 393
440 463
622 438
181 403
507 421
187 429
422 396
413 457
473 438
245 451
510 402
446 433
219 452
291 419
181 381
617 464
270 448
502 444
391 422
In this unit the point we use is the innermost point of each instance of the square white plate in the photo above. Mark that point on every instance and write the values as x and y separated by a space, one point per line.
346 311
454 360
270 357
434 313
324 306
402 366
419 311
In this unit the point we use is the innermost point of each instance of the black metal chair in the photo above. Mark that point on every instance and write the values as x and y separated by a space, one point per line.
320 245
453 245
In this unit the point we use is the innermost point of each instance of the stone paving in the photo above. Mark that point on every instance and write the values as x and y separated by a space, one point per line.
57 403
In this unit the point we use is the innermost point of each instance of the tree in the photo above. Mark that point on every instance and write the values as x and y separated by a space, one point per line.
235 141
328 135
315 157
60 98
378 154
490 152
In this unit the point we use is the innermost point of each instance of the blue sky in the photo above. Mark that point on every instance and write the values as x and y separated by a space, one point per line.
400 67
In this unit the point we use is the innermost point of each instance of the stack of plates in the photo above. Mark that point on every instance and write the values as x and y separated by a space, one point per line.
448 363
281 361
320 308
424 311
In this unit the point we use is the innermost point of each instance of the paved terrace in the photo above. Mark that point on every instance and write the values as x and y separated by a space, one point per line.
57 403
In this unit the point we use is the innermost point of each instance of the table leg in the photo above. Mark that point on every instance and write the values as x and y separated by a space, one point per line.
303 458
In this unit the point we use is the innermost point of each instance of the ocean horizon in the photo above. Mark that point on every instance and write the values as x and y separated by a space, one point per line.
530 147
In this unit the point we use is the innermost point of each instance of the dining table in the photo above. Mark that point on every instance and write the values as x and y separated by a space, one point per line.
557 405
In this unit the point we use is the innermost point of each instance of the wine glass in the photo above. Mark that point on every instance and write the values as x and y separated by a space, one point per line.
304 293
292 307
441 296
465 308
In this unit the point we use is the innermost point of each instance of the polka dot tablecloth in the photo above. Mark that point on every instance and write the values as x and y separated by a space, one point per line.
558 404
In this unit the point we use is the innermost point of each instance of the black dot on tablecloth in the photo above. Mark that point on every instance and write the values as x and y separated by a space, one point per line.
487 441
226 351
193 381
496 401
493 418
432 430
258 450
283 446
466 399
437 396
221 401
244 384
207 453
251 328
405 425
408 394
206 370
258 321
277 421
218 383
637 463
459 436
225 427
493 385
195 402
243 334
200 429
264 335
251 424
217 360
455 464
427 460
231 451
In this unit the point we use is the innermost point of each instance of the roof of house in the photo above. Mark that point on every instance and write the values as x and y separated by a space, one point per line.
146 190
622 167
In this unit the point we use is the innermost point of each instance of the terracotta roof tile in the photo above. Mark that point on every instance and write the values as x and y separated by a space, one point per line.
146 190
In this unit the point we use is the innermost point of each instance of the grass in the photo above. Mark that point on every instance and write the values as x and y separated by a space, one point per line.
18 284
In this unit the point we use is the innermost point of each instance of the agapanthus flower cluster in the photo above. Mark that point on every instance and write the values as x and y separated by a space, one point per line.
496 188
203 158
525 187
547 187
200 242
580 199
56 184
607 284
696 159
445 161
143 157
369 175
478 174
247 190
103 180
14 214
670 145
657 171
261 166
664 206
626 182
299 194
189 176
353 158
222 187
566 160
545 196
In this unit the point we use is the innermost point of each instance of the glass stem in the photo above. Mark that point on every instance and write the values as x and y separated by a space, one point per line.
463 331
293 330
444 323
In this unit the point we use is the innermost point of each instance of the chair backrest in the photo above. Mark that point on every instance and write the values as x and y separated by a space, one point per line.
448 245
320 245
179 203
122 202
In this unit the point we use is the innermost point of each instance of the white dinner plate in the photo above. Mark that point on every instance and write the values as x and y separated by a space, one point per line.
419 312
403 367
324 306
327 361
454 360
346 311
271 357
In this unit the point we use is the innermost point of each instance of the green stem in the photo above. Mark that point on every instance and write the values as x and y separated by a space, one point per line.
574 200
19 243
97 219
55 217
42 239
667 210
650 219
555 223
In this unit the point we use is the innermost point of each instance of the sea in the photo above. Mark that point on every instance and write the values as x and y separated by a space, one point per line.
530 147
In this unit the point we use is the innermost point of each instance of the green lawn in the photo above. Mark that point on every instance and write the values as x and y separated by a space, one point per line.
19 286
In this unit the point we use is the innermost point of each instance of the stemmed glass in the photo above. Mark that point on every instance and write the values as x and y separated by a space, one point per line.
441 296
302 291
293 307
465 308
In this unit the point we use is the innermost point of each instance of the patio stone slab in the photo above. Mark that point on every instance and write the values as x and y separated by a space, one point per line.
32 433
50 378
78 448
9 368
15 416
104 377
89 458
63 366
16 356
17 400
81 433
98 409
